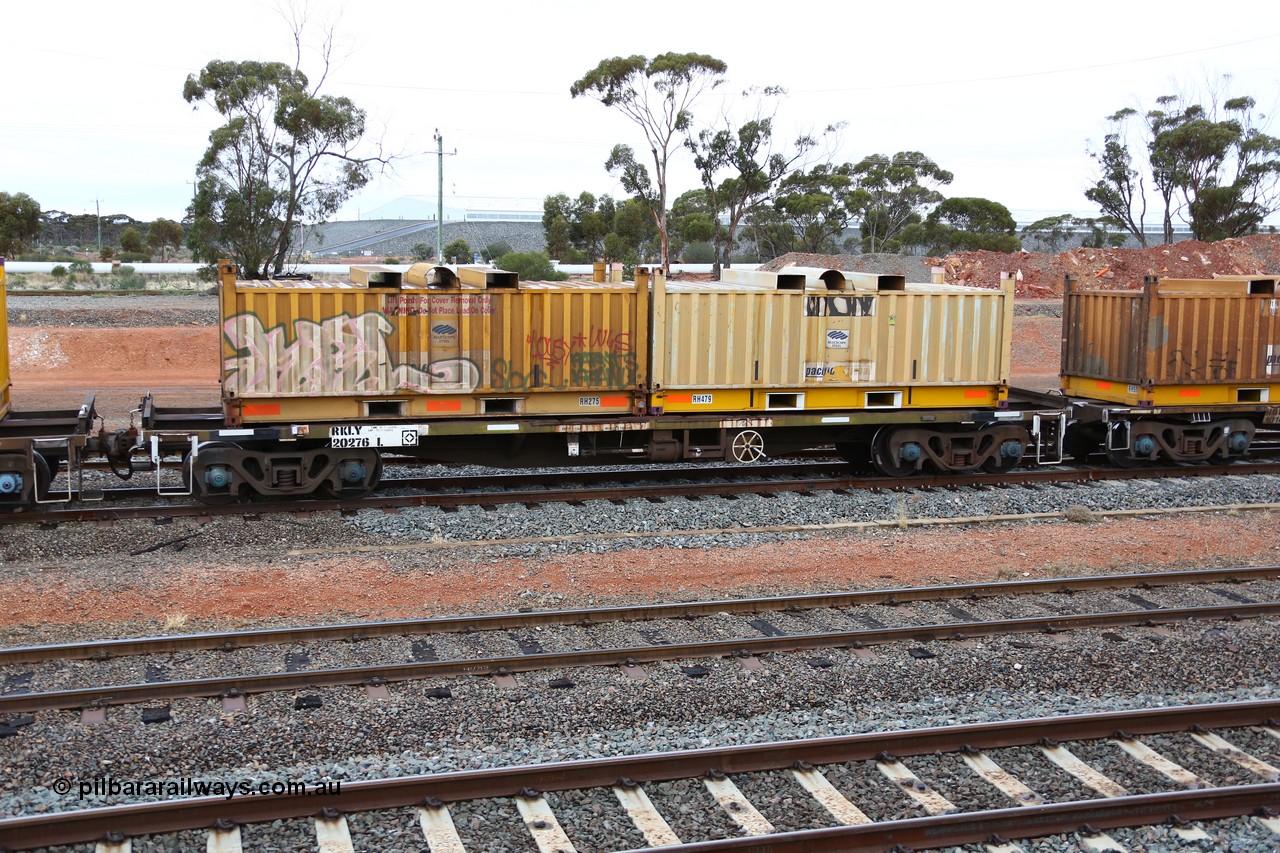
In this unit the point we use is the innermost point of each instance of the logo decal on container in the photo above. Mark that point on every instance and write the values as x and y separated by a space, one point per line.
444 329
837 339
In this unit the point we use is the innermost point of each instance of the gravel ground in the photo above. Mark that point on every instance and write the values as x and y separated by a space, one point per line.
481 725
110 311
137 669
556 521
601 526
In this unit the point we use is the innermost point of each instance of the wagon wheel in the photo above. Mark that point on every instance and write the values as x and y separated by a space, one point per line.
40 486
747 447
43 476
885 458
354 492
197 488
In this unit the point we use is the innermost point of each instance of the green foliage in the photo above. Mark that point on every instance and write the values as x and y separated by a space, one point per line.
285 155
135 257
1211 162
422 252
163 235
58 272
895 193
392 261
1053 233
496 250
19 222
459 251
531 266
587 229
699 253
575 228
739 168
107 253
771 232
658 96
818 205
81 267
966 225
125 277
131 240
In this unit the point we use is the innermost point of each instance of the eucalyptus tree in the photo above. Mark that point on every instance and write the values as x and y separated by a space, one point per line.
658 95
286 155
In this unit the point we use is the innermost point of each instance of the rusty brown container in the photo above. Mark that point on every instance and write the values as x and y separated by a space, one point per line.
452 343
1174 342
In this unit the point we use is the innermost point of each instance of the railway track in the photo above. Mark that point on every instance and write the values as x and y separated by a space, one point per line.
1252 595
451 493
1177 766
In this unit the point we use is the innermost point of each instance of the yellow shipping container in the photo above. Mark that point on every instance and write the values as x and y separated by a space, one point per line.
863 333
443 345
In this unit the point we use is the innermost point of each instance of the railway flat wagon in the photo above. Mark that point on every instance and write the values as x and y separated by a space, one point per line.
320 378
36 444
1181 369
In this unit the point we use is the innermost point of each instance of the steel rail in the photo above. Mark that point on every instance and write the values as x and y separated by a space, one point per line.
1011 823
86 825
356 631
508 480
736 647
625 492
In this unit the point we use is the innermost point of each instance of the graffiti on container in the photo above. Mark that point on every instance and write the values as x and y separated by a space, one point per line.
452 374
839 306
584 370
1188 368
342 353
560 350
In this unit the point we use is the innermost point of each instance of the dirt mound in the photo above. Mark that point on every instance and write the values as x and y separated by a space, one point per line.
1115 269
1043 274
915 268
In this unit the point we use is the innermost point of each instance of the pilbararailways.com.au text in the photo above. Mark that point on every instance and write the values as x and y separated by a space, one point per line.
107 786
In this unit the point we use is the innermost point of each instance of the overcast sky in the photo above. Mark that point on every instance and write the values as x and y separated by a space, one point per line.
1008 96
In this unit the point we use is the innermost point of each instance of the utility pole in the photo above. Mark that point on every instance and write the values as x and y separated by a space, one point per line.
97 207
439 197
440 194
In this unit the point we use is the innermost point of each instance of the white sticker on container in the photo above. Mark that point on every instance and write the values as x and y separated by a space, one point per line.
1273 359
837 339
702 399
343 437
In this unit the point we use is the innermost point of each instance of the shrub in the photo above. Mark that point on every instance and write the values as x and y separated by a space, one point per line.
135 257
59 271
422 252
81 267
392 261
698 253
127 278
460 250
531 266
496 250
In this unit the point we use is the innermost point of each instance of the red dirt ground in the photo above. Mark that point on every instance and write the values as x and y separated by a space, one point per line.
366 586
